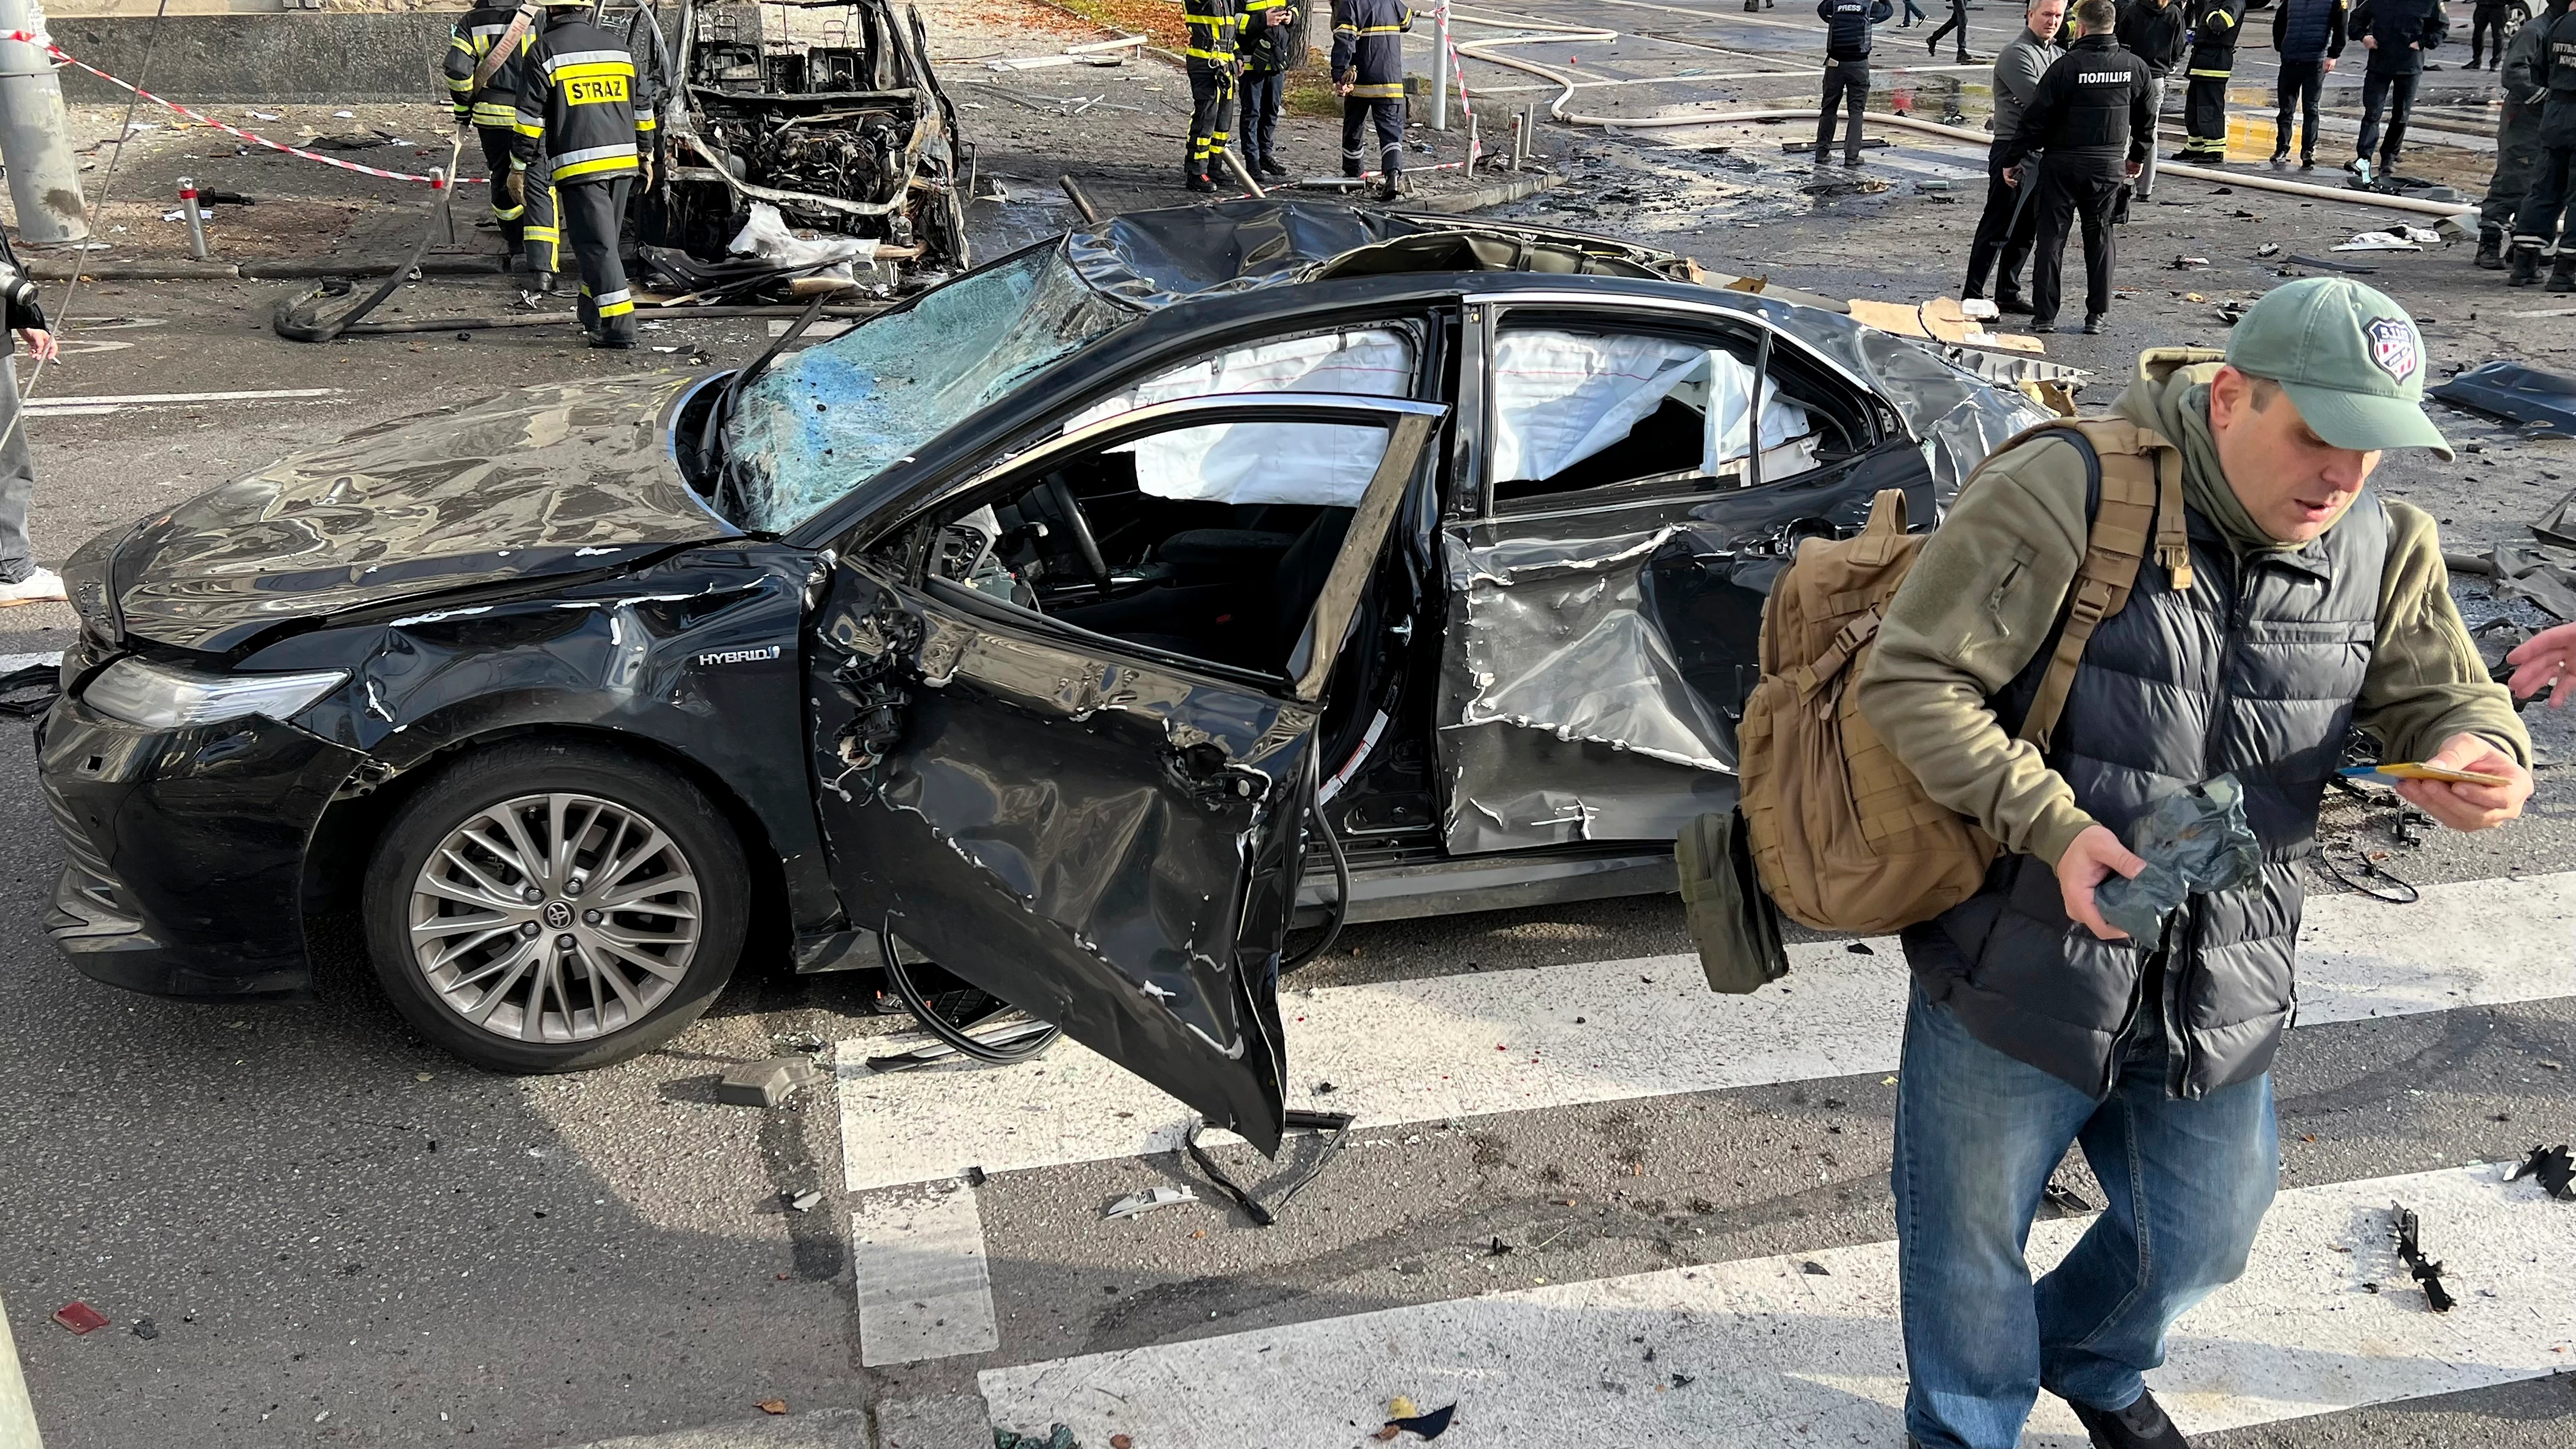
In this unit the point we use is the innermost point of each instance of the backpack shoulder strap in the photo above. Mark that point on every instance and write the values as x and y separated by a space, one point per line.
2141 501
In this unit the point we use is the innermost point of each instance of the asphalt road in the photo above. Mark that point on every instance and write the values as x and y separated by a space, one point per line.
340 1236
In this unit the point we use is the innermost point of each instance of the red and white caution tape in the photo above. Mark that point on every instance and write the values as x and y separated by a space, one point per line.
1458 69
58 53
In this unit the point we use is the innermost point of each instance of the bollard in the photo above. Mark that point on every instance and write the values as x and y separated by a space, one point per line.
1474 145
189 207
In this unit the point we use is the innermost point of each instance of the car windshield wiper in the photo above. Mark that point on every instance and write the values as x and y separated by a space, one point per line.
722 412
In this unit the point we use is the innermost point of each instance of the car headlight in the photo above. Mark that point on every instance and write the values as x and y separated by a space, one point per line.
159 697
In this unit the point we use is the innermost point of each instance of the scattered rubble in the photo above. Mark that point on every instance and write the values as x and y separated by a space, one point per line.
1137 1204
2515 393
1428 1426
80 1318
767 1084
2427 1271
2552 1168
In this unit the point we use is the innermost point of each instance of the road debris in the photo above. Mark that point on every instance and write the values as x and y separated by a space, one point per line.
2529 573
2515 393
1814 1269
145 1329
2065 1199
2395 239
1059 1436
1137 1204
2410 1249
2557 527
2194 840
801 1202
2183 263
2353 268
772 1406
80 1318
2551 1167
1429 1426
766 1084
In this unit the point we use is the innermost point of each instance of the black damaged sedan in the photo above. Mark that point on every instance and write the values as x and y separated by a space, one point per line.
1079 626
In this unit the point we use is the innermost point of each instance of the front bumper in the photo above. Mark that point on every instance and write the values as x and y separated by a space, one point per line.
184 850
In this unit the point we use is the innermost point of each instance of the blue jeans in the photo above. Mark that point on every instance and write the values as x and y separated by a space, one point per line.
1977 1135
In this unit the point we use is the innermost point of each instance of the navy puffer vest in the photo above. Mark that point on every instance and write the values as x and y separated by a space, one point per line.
2254 670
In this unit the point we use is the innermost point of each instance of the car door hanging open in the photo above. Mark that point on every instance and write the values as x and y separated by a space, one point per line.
1266 1215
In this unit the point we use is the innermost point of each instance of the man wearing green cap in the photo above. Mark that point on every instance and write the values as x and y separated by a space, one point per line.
2309 604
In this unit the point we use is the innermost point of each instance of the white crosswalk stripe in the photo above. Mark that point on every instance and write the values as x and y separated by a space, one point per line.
1508 1041
1764 1351
1528 1040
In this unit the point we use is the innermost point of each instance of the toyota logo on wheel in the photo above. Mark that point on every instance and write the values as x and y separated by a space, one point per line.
558 915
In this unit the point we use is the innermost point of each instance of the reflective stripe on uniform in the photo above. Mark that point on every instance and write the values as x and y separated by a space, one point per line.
2212 74
593 160
644 122
556 63
494 113
525 124
614 304
1387 91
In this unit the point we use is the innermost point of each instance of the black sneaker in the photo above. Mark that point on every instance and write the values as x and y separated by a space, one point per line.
1850 162
1270 167
2142 1425
2012 304
2280 161
2048 326
2097 324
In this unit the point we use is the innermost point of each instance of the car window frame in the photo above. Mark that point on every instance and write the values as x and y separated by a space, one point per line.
1418 319
1486 314
907 546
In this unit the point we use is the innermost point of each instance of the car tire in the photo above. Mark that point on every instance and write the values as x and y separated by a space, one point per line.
633 882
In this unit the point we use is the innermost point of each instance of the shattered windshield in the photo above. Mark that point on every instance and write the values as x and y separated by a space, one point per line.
833 416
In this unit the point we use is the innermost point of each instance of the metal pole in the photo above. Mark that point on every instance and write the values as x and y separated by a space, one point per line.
189 206
1439 68
17 1414
44 179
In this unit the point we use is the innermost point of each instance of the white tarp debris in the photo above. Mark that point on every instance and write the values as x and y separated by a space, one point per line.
2395 239
766 236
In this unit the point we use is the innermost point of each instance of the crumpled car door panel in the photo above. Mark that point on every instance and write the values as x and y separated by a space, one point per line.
1597 662
1104 837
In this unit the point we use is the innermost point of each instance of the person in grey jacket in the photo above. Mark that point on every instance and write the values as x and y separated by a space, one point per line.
21 581
2009 227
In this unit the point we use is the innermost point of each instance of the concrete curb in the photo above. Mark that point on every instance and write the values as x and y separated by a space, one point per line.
1528 183
59 269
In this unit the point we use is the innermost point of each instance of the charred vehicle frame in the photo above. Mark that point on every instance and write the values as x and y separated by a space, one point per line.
825 109
1055 662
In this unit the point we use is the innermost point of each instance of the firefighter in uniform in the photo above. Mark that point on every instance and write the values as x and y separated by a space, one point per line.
1262 42
1368 70
2213 60
2550 204
530 223
578 105
1213 68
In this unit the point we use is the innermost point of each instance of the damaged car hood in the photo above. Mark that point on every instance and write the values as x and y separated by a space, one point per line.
541 482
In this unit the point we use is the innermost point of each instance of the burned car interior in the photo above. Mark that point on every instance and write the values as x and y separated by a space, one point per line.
827 110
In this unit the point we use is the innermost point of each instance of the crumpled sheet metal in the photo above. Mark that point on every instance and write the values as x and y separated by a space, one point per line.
2516 393
1151 259
2194 841
1569 689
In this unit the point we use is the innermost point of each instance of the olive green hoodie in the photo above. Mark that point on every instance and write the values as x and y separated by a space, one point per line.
1989 586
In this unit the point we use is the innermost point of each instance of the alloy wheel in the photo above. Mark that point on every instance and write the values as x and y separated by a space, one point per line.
555 918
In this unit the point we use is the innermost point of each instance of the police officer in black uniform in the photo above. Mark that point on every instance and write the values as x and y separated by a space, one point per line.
1368 70
525 214
2092 119
1213 68
1847 35
579 106
2396 33
2550 204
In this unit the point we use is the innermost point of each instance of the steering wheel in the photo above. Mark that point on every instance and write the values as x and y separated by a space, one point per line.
1079 528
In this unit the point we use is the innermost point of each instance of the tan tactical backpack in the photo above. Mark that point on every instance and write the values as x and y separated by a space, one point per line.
1843 837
